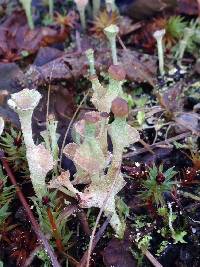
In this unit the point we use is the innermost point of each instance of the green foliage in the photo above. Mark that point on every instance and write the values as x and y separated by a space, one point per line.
144 242
6 195
154 188
177 235
13 145
61 221
175 26
42 255
162 247
122 208
193 42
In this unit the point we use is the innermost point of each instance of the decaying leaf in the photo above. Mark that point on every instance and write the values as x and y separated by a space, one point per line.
117 254
66 67
16 37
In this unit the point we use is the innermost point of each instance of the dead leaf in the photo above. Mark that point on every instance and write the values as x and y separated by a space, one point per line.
140 9
190 121
187 7
66 67
171 99
16 37
117 254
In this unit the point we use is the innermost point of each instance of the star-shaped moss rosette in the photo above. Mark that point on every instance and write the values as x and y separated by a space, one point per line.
1 125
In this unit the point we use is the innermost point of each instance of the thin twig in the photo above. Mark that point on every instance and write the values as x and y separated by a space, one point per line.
32 256
167 141
95 241
152 259
42 238
69 126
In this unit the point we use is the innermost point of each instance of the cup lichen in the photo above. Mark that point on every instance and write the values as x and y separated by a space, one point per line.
158 35
40 161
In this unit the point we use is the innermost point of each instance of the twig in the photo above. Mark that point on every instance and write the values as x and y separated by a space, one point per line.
167 141
95 241
152 259
32 256
147 146
29 213
69 126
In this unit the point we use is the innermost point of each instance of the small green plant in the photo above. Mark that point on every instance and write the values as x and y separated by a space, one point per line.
52 220
162 247
13 145
6 195
28 10
157 184
175 26
176 235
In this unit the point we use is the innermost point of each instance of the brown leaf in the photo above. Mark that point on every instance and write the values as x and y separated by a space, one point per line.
140 9
16 37
67 67
117 254
190 121
171 99
188 7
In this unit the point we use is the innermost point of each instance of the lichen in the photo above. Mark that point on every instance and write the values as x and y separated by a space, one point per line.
39 159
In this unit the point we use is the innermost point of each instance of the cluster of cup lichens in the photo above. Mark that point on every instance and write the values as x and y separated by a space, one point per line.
96 166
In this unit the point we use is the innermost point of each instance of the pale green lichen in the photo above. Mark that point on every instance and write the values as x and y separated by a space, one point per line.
96 7
81 6
1 125
96 166
27 8
111 33
188 32
158 35
39 159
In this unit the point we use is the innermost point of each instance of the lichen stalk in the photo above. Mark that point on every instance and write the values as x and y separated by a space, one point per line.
158 35
111 33
188 32
96 7
90 57
51 9
40 161
28 10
